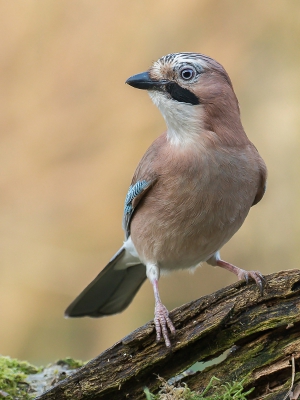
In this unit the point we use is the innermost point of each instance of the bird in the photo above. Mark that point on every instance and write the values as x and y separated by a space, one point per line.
189 194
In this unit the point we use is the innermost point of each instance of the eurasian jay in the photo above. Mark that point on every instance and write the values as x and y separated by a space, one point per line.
190 193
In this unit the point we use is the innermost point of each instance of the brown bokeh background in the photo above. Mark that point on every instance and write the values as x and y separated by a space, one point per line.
72 133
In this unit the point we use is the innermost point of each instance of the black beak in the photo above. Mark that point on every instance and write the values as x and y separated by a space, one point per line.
143 81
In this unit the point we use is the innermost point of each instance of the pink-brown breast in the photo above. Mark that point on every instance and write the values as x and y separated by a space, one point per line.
202 196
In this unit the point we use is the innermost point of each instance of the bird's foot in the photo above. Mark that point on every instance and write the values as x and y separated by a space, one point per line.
242 274
255 275
162 322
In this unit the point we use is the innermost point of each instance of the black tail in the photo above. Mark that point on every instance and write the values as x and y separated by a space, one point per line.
111 291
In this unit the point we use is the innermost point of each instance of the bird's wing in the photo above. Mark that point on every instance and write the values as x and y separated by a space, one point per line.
137 190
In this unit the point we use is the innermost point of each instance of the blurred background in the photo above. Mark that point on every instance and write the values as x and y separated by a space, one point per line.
72 134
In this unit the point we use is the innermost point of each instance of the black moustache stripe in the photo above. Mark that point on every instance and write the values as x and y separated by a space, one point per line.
180 94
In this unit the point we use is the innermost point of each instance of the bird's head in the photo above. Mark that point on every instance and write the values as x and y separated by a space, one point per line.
193 93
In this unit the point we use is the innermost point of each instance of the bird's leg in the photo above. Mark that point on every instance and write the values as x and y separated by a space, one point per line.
242 274
162 320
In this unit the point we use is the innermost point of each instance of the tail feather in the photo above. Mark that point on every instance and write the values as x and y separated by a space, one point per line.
111 291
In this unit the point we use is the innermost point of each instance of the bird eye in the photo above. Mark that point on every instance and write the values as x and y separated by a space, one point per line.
187 74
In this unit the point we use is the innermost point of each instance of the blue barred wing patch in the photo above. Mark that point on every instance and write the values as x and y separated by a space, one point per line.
133 192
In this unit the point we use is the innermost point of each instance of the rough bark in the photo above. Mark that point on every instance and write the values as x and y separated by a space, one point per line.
261 331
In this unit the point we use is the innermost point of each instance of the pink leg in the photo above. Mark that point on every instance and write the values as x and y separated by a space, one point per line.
242 274
161 317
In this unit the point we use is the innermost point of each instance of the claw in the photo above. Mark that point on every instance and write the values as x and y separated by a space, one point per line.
256 276
162 322
259 279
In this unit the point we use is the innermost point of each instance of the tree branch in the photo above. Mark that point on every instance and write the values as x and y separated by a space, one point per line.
262 331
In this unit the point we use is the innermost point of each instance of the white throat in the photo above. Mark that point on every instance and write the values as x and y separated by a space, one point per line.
182 119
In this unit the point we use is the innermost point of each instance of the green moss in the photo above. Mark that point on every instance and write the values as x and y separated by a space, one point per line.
71 363
12 378
229 391
20 380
